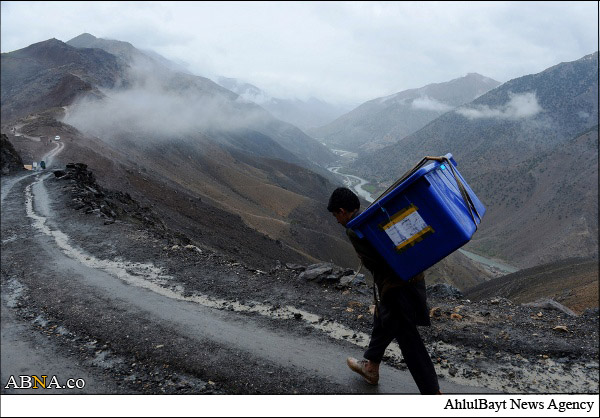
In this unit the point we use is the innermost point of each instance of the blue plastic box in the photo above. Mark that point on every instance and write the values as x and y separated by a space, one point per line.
422 220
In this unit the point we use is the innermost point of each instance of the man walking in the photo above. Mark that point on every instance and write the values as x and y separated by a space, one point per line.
399 306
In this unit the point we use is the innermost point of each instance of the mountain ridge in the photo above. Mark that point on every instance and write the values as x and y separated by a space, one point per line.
499 140
387 119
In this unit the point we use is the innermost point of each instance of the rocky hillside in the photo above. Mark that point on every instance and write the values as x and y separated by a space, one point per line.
572 282
210 164
517 146
10 161
551 197
491 343
53 74
210 191
385 120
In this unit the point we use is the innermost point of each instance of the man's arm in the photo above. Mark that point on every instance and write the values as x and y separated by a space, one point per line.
371 259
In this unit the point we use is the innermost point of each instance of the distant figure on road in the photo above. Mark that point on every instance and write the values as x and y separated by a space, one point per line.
399 306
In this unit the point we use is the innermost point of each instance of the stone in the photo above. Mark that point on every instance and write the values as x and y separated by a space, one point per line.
346 280
315 270
295 267
444 290
546 303
436 311
499 300
359 280
562 328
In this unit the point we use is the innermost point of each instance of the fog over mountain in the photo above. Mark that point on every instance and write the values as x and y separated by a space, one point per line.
306 114
529 149
384 120
161 102
129 116
165 231
234 153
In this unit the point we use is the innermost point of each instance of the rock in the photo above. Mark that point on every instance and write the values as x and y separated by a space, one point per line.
499 300
562 328
295 267
193 248
444 290
359 280
346 280
315 270
437 311
546 303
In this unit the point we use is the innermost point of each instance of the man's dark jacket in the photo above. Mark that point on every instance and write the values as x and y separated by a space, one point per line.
409 295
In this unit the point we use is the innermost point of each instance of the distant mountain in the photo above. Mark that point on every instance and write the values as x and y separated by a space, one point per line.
305 114
53 74
125 51
383 121
218 168
529 150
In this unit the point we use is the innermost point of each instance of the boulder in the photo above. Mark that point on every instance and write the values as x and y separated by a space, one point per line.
444 290
315 270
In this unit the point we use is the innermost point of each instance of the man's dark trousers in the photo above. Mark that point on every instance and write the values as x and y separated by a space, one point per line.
390 322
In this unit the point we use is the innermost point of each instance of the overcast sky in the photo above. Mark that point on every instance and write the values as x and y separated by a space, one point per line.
346 52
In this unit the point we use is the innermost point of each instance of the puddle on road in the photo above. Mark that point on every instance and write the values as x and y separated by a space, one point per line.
12 291
150 277
9 239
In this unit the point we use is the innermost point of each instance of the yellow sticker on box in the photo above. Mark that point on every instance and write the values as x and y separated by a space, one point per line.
406 228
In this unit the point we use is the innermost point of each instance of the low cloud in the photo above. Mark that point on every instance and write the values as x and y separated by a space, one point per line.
427 103
159 107
519 106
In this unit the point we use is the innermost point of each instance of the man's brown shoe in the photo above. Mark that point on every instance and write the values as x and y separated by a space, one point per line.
360 367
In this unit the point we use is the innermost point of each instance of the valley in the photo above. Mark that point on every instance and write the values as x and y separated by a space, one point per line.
178 240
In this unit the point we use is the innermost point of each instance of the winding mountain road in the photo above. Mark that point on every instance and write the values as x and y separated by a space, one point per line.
123 303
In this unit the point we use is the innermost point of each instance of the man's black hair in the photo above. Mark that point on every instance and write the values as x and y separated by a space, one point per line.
343 198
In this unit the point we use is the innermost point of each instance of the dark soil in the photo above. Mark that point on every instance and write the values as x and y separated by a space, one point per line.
493 342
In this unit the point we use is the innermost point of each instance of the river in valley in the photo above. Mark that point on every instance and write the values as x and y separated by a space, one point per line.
356 183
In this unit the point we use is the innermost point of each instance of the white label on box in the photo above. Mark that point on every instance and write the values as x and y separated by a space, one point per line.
407 228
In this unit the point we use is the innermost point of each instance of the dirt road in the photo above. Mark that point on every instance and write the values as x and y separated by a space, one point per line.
127 327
